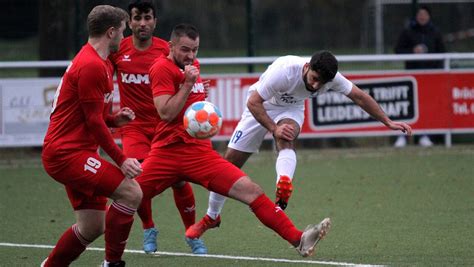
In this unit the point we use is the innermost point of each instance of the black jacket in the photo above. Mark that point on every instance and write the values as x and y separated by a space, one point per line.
416 34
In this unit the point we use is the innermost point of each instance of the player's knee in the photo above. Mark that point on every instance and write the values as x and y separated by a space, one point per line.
245 190
92 230
255 190
131 194
285 144
137 196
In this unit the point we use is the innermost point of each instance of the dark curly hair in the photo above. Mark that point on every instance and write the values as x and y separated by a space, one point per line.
143 6
325 64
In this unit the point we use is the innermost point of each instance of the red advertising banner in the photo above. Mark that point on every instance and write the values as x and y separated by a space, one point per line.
431 102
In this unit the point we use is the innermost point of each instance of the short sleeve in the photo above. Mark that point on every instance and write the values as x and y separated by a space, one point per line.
274 81
162 80
341 84
92 82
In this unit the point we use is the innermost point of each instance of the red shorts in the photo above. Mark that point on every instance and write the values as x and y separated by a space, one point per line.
88 178
136 140
195 163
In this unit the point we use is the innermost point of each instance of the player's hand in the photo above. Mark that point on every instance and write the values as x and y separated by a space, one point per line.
401 126
206 85
123 116
285 132
131 168
191 73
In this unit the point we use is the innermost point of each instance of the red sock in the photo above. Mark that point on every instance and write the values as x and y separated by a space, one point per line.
69 247
273 217
144 212
118 222
184 200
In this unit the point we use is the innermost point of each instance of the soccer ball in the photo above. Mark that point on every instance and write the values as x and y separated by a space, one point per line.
202 120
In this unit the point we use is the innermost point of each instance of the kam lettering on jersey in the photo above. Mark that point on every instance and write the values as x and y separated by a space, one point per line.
197 88
135 78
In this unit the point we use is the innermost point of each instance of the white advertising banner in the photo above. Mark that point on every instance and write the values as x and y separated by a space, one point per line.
26 105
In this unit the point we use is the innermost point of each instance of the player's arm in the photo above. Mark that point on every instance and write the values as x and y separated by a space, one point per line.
169 106
255 106
367 103
92 84
120 118
94 120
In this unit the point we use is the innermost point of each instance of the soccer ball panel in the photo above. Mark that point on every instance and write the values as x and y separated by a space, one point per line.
202 120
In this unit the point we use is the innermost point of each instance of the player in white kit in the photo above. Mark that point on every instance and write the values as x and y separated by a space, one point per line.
275 104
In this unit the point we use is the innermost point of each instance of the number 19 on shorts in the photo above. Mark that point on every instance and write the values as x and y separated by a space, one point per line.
235 138
92 165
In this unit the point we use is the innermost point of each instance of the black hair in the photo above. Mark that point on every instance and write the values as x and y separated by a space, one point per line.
184 29
325 64
143 6
424 7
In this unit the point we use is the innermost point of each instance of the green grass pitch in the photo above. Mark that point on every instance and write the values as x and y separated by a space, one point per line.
410 207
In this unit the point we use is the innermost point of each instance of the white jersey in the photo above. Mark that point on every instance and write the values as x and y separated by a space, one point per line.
283 89
282 84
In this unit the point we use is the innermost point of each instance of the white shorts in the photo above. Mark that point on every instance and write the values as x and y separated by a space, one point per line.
249 133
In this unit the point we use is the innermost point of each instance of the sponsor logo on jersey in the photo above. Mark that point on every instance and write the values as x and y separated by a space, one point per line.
135 78
126 58
197 88
288 98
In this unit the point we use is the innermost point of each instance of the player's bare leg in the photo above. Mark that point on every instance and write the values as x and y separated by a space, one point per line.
90 224
216 201
285 164
272 216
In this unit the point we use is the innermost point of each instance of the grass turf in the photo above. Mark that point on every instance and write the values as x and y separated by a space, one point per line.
393 207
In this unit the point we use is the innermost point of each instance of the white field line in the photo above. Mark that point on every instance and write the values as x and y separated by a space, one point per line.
206 256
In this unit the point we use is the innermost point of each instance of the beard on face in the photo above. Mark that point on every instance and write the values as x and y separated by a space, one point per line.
178 63
143 37
305 80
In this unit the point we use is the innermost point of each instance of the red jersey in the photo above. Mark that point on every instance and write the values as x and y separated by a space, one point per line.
132 68
87 81
166 79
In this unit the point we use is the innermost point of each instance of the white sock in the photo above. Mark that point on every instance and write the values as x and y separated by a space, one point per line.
216 203
286 163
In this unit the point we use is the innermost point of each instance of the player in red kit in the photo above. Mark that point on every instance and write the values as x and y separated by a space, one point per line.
78 127
132 62
176 156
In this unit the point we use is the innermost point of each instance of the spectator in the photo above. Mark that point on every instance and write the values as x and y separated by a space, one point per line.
421 36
